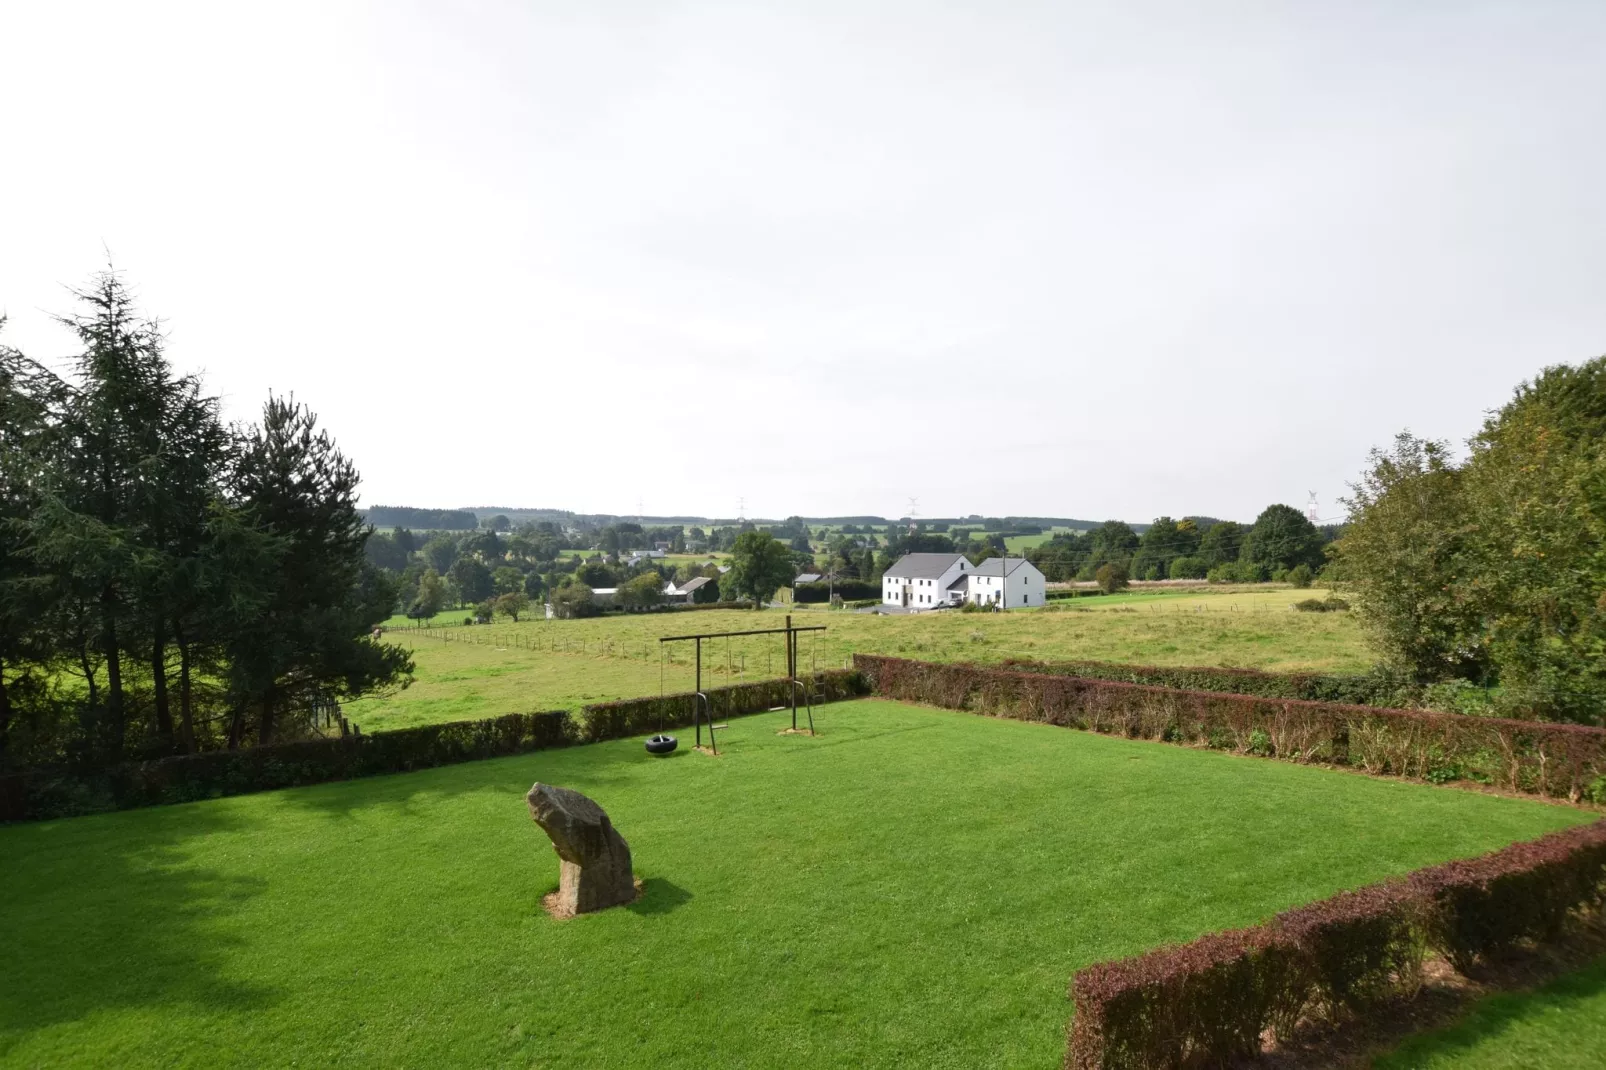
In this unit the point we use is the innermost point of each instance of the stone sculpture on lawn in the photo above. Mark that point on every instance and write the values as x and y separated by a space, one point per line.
595 870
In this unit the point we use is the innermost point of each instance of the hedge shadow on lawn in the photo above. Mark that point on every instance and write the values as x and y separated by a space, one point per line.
1497 1014
142 920
589 766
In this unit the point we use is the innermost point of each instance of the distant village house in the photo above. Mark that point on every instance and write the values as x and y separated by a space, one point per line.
933 581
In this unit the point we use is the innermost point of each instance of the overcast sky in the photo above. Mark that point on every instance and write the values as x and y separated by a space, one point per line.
1061 259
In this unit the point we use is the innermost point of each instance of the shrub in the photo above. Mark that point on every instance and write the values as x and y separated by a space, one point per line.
849 590
1210 1001
1188 568
1238 572
1111 577
1203 1003
1300 575
573 602
1322 605
216 773
1563 760
1360 947
1483 905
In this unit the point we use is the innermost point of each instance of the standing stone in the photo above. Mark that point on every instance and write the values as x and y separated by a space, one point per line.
595 871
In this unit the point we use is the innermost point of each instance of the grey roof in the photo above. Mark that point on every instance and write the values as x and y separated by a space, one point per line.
994 566
692 584
807 577
923 566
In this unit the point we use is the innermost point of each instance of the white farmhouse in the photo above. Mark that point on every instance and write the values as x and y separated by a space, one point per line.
1015 579
929 581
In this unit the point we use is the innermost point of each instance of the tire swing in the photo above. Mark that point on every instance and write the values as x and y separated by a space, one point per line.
661 744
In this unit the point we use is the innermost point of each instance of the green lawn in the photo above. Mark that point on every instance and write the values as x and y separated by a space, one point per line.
914 887
541 664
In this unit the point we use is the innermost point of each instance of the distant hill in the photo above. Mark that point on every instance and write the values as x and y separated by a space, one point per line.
391 516
405 516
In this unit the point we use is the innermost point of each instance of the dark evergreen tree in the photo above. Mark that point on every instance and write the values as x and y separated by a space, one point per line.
313 641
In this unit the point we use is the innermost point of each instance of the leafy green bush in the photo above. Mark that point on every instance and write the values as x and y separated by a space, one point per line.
1329 604
1300 576
1111 577
1188 568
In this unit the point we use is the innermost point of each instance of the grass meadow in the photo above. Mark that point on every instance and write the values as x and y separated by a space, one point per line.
539 664
914 887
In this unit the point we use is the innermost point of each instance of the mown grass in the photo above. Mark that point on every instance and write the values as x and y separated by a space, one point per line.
539 664
913 888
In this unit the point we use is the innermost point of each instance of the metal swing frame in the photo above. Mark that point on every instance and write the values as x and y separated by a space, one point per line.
702 707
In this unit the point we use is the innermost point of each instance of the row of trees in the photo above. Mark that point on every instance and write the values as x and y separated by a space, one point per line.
1281 543
1494 569
169 582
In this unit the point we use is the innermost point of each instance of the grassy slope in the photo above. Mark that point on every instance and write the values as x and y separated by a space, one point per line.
913 888
517 668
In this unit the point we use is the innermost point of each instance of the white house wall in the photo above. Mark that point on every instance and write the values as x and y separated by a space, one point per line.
923 594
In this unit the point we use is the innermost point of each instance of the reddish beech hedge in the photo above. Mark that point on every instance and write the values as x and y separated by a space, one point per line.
1562 760
634 716
1209 1002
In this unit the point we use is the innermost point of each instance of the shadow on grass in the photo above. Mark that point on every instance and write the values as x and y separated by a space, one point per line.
584 767
659 896
106 912
1494 1016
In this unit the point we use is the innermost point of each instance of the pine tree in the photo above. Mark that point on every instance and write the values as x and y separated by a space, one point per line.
313 638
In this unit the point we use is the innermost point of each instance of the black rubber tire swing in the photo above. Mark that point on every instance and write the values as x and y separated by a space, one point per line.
660 743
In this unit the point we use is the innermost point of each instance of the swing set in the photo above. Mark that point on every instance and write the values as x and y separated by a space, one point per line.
702 708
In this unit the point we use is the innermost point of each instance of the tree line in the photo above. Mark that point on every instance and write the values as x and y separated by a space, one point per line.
170 582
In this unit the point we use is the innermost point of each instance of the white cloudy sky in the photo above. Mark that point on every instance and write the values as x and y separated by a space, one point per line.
1092 260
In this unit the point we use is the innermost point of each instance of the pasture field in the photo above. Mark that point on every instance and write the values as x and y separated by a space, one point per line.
540 664
1019 544
718 556
914 887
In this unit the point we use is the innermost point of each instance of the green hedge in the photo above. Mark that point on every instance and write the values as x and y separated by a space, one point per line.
848 590
633 717
1358 689
1209 1002
1562 760
46 794
217 773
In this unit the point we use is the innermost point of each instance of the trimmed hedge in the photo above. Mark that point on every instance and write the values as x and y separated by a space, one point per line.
1561 760
212 774
635 716
848 590
1209 1002
1360 689
183 778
